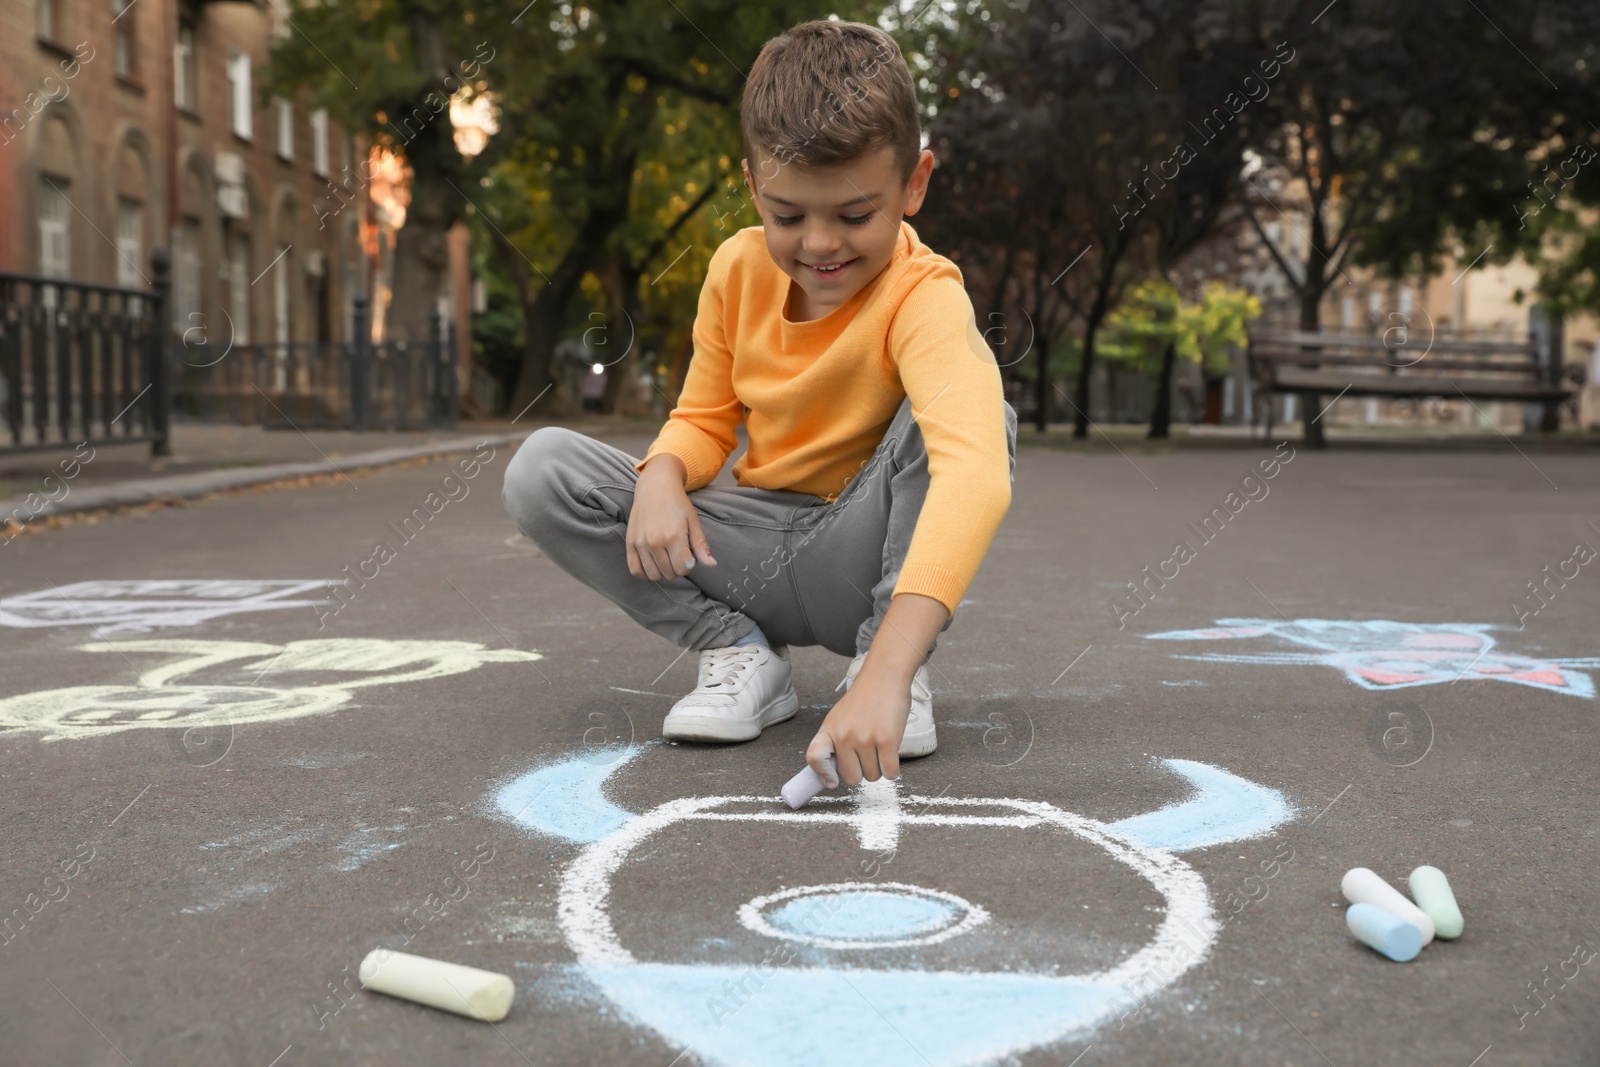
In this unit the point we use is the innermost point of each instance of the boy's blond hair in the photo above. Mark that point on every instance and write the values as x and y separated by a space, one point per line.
828 91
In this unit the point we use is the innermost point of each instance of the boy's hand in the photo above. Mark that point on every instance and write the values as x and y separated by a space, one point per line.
864 729
664 536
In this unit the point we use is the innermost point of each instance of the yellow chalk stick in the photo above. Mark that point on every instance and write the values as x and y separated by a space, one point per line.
482 995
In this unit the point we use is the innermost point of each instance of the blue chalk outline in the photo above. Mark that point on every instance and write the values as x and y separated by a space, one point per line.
1224 808
571 803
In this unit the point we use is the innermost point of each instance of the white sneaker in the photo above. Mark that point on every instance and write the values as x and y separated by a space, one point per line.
920 737
743 689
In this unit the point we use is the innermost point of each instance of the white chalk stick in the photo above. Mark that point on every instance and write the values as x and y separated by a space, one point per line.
466 991
803 787
1362 886
1431 891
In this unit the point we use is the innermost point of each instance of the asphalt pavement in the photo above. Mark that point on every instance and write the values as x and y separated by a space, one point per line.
223 788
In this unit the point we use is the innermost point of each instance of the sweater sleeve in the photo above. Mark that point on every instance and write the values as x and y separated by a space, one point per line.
701 430
951 377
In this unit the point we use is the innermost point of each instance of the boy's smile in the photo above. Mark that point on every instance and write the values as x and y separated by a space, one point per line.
833 228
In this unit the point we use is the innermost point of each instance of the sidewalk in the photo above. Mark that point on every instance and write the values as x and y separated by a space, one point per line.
208 458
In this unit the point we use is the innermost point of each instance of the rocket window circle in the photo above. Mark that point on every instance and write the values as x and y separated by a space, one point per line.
852 915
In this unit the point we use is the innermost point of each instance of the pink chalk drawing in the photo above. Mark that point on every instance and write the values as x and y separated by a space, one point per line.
1379 654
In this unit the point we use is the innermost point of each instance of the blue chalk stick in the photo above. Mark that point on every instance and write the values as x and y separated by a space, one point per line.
1389 934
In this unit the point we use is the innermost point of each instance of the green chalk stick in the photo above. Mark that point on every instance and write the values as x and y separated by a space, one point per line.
1432 893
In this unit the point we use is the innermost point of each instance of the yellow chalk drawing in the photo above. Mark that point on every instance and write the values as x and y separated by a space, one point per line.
154 702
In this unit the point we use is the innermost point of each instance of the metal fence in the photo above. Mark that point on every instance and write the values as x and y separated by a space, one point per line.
346 384
81 363
85 363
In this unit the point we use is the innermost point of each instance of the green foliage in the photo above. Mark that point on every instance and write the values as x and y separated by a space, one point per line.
1065 352
1561 214
1570 281
357 59
1153 316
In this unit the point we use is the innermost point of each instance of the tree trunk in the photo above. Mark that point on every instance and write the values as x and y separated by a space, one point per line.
1080 417
544 315
1310 317
1041 387
620 356
1161 412
679 371
538 388
421 255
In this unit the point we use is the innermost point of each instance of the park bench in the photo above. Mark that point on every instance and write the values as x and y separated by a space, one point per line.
1320 367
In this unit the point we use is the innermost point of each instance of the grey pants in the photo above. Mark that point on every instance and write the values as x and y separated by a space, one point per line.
809 572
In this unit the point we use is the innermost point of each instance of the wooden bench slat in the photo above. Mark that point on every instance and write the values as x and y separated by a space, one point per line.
1295 380
1398 361
1298 339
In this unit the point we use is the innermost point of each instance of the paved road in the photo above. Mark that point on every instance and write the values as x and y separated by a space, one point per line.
203 894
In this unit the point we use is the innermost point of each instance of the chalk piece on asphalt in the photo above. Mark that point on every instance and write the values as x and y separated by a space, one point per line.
803 787
1384 931
1432 893
466 991
1362 886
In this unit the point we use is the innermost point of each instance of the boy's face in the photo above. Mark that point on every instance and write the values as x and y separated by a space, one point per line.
833 228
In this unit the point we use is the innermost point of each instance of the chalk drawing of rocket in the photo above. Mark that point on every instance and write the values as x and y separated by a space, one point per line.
1379 654
872 966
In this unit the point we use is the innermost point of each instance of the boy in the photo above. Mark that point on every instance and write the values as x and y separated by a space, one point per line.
881 448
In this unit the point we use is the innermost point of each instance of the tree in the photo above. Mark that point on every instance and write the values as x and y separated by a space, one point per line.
388 69
582 95
1405 128
1153 328
1069 155
580 121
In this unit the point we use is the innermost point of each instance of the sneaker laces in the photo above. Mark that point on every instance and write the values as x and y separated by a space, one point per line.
722 666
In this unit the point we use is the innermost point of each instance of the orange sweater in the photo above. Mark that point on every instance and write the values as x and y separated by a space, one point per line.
818 396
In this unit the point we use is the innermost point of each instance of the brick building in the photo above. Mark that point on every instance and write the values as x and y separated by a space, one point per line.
131 124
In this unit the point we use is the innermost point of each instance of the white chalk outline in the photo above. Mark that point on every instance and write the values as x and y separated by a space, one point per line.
122 606
586 888
752 914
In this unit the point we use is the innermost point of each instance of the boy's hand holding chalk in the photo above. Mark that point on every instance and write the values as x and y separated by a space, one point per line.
877 700
803 787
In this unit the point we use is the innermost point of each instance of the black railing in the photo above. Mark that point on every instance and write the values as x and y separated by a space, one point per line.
81 363
348 385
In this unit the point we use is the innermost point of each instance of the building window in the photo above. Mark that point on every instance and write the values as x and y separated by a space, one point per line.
183 68
280 297
130 243
285 113
122 55
239 286
319 142
239 85
46 21
186 306
55 232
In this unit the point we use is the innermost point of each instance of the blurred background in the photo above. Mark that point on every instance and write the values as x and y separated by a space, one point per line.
393 214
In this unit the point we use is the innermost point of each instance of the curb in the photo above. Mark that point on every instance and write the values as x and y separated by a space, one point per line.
203 483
